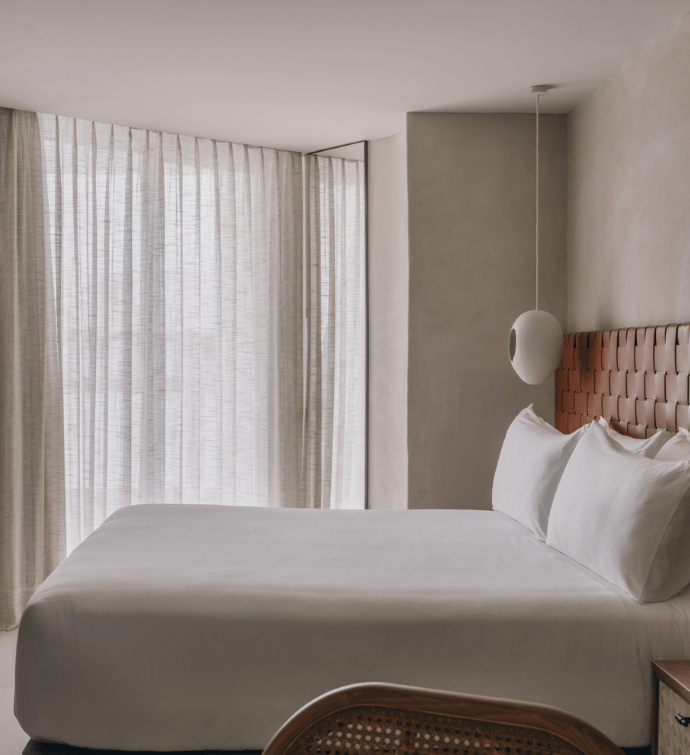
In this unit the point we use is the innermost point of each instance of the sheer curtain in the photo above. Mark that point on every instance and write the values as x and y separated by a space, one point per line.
178 277
152 334
32 516
335 417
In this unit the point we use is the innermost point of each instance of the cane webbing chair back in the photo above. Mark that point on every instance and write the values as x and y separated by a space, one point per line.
383 719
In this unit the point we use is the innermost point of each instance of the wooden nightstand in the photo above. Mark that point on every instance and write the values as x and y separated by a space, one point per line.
670 702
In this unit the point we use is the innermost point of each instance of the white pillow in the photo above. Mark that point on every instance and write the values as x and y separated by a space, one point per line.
625 517
532 460
648 447
677 449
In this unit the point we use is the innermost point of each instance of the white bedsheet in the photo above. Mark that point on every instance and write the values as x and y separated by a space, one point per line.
204 627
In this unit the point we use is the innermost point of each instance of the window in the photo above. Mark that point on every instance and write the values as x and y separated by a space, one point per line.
178 269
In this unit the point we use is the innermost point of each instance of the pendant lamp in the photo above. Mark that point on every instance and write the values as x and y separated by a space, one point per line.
536 338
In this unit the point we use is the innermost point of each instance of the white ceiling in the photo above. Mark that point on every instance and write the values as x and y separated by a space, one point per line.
308 74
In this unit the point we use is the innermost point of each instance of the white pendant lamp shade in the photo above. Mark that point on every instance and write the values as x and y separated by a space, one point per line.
536 339
536 345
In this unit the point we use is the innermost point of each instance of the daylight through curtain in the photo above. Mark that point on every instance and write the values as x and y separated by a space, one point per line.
178 279
334 458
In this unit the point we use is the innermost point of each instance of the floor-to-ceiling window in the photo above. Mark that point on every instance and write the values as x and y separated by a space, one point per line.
180 268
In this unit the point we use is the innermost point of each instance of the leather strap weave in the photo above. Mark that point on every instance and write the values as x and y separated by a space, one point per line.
636 378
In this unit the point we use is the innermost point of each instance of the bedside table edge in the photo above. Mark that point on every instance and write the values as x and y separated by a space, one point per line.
662 674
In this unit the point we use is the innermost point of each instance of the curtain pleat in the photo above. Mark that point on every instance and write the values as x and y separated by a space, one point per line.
32 513
178 268
334 447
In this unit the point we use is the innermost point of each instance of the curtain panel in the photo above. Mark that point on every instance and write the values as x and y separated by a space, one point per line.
335 416
178 275
173 329
32 511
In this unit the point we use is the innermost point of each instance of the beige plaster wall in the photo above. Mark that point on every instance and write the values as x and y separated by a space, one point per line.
629 193
471 246
388 309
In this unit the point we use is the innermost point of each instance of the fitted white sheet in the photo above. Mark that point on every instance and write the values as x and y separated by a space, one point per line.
204 627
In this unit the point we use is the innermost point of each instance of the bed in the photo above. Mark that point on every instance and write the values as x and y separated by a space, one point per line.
200 627
185 627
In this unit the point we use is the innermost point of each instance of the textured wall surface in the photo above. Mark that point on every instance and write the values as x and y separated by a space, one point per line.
388 306
629 193
471 236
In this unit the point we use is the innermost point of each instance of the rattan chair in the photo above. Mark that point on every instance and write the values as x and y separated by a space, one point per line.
388 719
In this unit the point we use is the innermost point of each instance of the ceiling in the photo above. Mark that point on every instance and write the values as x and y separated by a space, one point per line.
309 74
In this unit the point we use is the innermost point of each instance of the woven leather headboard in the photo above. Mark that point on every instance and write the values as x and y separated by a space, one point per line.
636 378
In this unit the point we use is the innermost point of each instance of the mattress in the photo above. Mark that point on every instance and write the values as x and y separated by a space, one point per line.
188 627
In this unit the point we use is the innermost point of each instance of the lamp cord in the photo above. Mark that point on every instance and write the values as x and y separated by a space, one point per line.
537 213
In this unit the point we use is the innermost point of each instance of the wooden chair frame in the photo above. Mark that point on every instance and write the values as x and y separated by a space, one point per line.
562 732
